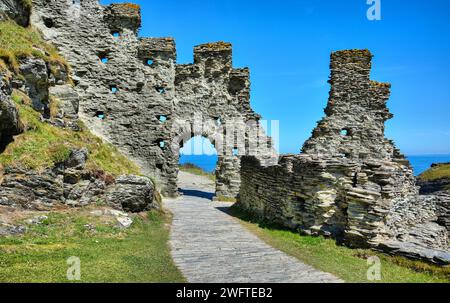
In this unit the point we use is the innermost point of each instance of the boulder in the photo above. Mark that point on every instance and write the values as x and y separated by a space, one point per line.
77 159
68 100
36 73
132 194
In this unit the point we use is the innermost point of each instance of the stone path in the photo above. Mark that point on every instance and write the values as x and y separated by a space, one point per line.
210 246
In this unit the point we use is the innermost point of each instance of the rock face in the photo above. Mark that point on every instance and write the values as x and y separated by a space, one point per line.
17 10
9 118
134 94
350 182
69 183
132 194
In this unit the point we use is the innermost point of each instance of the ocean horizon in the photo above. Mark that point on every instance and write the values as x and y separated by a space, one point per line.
420 163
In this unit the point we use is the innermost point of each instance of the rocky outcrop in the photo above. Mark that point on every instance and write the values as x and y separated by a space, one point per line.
17 10
9 118
431 187
71 184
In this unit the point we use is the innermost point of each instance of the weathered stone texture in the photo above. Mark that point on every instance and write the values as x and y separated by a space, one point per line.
70 184
123 99
9 118
350 183
17 10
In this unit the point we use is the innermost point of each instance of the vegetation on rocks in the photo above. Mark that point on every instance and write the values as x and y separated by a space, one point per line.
107 252
42 145
437 172
17 42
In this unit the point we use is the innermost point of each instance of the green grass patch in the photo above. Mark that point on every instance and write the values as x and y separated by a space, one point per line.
43 145
440 171
17 42
107 253
226 199
348 264
196 170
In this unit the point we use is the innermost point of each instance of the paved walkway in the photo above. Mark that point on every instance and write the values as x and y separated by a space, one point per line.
209 246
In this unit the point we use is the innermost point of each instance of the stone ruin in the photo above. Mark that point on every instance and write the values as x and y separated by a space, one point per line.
131 92
349 183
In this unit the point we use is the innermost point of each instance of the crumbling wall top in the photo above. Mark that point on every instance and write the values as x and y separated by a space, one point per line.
123 15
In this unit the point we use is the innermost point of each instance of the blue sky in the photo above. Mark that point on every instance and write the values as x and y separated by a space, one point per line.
287 45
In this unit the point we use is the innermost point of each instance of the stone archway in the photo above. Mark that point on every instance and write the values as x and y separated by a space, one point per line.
227 183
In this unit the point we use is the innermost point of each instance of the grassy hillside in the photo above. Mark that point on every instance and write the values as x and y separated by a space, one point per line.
107 252
17 42
440 171
43 145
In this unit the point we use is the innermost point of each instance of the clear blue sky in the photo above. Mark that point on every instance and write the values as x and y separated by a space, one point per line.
287 45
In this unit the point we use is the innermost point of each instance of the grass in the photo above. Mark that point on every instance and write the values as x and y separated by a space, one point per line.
226 199
43 145
440 171
17 42
348 264
107 253
196 170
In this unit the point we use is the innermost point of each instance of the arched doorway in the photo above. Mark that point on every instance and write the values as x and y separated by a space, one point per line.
198 161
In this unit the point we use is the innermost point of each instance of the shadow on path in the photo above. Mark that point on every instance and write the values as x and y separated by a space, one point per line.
197 193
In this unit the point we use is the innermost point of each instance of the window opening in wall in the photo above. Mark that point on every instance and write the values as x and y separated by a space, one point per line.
345 132
103 58
48 22
160 89
113 89
161 143
162 118
100 115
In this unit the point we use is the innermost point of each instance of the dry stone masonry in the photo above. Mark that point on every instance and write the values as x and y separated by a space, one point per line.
350 182
132 93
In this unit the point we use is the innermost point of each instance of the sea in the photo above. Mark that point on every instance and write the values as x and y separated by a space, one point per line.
420 163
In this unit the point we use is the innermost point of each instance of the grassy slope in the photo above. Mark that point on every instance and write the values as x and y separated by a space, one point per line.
44 145
441 171
140 254
347 264
107 253
195 170
17 42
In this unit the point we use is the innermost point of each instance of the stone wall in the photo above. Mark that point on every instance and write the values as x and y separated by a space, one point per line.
350 182
138 97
